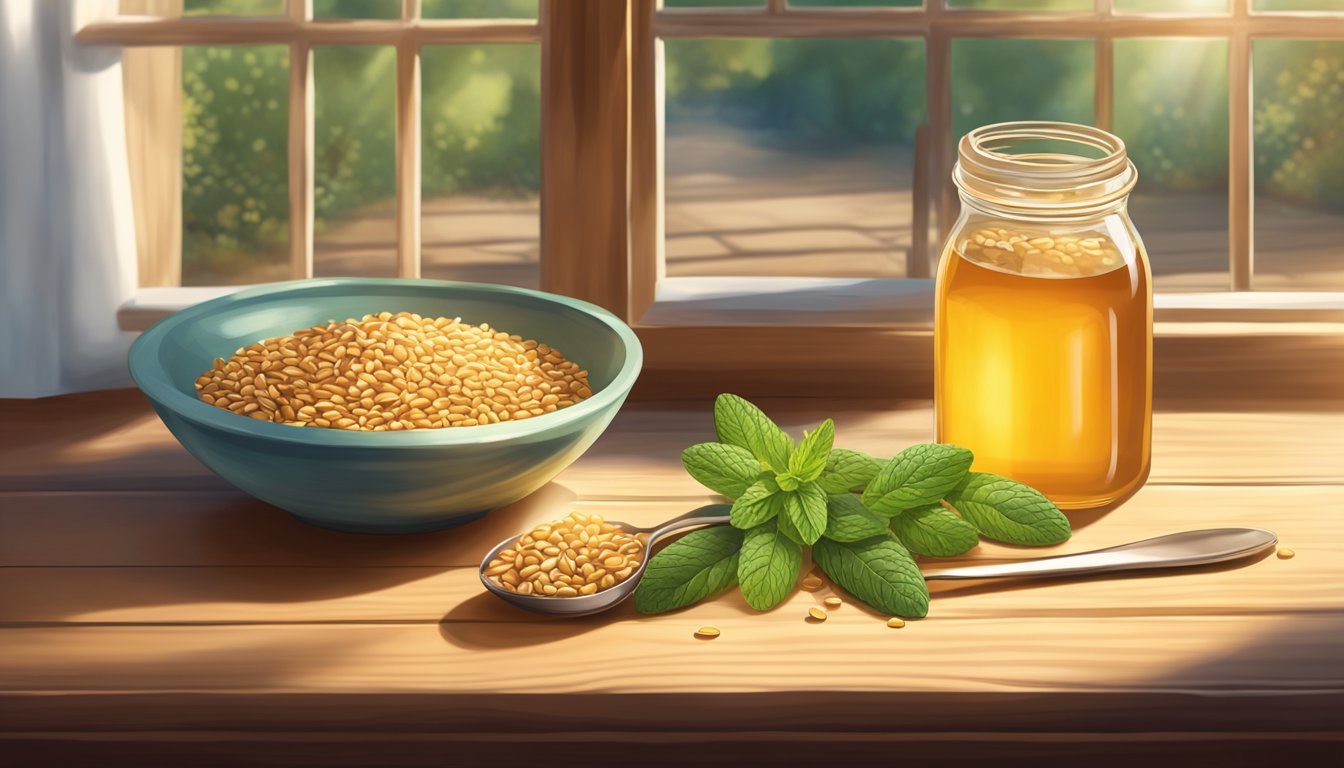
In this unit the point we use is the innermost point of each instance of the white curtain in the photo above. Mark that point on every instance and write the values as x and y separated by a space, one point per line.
67 245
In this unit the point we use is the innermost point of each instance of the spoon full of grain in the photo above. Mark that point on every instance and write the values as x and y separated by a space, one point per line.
582 564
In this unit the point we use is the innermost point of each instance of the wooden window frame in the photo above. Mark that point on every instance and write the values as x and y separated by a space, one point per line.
602 230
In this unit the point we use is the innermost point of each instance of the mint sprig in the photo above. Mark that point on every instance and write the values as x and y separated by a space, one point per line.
787 496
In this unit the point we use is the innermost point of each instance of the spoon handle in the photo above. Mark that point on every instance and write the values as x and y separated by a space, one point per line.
710 514
1173 551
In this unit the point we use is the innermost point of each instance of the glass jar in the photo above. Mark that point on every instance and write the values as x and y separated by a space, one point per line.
1043 321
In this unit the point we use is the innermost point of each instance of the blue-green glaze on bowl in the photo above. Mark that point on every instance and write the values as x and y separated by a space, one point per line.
383 482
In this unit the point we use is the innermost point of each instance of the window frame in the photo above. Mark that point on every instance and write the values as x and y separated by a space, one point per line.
602 200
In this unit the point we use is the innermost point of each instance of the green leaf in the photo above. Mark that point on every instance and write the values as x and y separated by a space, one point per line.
805 509
847 471
740 423
809 458
690 569
1009 511
758 504
917 477
848 520
877 571
769 566
934 530
786 527
722 468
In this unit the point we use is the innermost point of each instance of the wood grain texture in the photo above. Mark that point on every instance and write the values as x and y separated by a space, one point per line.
585 152
674 748
146 610
106 441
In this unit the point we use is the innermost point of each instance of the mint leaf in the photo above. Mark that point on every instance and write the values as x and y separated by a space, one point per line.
848 520
1009 511
805 509
877 571
917 477
809 458
847 471
934 530
768 566
786 527
740 423
758 504
722 468
690 569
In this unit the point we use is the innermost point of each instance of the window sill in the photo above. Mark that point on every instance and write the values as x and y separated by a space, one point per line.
891 304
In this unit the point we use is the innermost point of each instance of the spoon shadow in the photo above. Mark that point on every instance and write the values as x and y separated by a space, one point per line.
485 622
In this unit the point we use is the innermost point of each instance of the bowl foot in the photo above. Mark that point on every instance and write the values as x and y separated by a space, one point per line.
393 526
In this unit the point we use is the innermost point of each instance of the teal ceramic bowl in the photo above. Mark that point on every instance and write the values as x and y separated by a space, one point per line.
383 482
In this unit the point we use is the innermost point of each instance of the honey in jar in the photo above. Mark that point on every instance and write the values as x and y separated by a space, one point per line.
1043 327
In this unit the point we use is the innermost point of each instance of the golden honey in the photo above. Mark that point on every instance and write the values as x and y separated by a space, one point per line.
1043 370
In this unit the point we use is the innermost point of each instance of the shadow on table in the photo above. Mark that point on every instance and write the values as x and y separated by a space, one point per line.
240 550
485 622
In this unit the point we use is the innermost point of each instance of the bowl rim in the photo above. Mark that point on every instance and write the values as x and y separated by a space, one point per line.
153 380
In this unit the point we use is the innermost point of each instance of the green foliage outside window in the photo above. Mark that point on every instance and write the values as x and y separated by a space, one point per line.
481 116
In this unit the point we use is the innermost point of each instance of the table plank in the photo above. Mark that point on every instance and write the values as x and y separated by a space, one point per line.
1286 654
189 529
113 441
269 595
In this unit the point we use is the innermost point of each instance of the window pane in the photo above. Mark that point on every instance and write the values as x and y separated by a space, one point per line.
1299 164
357 9
481 173
1298 5
479 9
1171 6
235 186
354 182
791 157
233 7
999 80
1023 5
1171 110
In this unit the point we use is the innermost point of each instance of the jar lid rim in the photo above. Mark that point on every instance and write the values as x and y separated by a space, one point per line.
1045 179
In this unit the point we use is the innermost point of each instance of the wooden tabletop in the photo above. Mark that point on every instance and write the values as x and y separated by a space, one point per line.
149 611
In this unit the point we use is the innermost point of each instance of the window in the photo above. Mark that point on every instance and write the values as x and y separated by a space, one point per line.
740 177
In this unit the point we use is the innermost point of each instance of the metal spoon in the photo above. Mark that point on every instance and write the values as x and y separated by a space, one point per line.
713 514
1176 550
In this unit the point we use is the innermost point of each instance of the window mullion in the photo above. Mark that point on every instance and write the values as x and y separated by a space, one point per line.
408 149
301 114
1241 149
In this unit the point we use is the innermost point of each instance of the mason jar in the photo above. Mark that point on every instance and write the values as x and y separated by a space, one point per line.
1043 319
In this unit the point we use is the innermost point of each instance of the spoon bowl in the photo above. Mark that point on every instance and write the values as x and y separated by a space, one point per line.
584 605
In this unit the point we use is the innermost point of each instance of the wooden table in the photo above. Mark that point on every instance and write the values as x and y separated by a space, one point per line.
150 614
